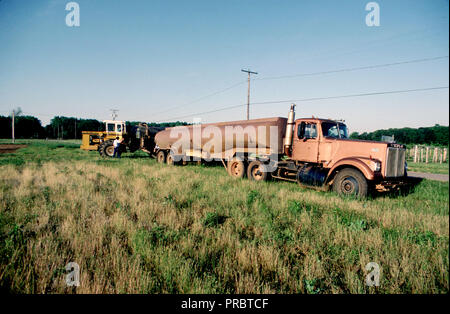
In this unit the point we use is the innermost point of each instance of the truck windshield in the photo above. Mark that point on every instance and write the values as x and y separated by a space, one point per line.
334 130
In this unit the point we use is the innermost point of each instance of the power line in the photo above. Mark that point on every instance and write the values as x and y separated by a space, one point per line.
201 98
39 114
352 69
352 95
384 65
205 112
292 100
373 43
290 76
313 99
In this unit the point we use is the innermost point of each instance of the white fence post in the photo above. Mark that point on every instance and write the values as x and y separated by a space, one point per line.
415 153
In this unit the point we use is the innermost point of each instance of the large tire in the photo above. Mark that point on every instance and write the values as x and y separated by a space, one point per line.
236 168
106 149
170 160
256 171
350 181
161 157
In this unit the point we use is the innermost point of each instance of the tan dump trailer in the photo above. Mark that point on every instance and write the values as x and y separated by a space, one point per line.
222 140
311 151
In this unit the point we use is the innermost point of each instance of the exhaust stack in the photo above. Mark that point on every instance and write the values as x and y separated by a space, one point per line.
289 130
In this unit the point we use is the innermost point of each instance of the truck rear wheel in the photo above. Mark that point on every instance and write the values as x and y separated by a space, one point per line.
161 157
236 168
350 181
106 149
256 171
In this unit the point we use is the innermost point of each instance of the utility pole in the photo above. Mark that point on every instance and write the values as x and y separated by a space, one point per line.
248 92
114 113
13 114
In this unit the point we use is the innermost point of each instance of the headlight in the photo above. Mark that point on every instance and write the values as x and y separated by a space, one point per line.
376 166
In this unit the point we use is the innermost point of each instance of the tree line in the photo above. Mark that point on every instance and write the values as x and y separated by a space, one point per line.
29 127
436 135
71 128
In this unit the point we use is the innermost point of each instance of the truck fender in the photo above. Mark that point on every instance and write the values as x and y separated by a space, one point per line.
354 163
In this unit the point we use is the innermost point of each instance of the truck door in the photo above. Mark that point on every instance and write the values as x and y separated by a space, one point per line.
305 142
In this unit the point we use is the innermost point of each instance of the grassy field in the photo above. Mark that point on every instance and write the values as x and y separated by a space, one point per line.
430 167
135 226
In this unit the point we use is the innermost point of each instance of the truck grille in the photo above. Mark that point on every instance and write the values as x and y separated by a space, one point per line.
395 162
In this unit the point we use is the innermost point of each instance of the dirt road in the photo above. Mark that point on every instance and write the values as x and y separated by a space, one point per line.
429 176
10 148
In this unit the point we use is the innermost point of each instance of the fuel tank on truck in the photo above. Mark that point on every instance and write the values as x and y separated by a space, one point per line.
220 137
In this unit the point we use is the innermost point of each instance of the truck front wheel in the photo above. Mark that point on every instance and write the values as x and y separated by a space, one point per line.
350 181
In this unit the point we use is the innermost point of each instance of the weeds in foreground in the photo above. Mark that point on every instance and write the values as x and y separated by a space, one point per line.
135 226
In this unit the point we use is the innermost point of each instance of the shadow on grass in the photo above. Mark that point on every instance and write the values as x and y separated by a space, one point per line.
401 191
412 183
134 156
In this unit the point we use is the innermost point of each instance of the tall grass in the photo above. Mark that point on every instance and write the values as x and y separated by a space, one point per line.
135 226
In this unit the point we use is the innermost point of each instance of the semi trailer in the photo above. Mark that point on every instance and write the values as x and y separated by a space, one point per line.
313 152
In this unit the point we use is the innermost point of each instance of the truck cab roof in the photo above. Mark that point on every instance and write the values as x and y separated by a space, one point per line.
114 121
320 120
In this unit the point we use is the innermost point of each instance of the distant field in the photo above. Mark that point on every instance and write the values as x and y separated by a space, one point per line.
135 226
430 167
25 141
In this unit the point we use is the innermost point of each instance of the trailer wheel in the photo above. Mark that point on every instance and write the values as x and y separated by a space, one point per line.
106 149
169 160
256 171
350 181
236 168
161 157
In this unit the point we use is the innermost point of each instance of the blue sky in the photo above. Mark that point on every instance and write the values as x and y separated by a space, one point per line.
152 59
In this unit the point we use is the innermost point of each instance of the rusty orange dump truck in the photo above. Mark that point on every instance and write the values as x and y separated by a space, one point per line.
311 151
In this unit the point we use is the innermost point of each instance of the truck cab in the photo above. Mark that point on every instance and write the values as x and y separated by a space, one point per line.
311 133
322 148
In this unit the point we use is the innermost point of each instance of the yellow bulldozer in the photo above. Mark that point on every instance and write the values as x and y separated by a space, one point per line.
139 137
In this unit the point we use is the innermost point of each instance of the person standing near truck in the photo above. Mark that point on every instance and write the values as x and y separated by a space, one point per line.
116 145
